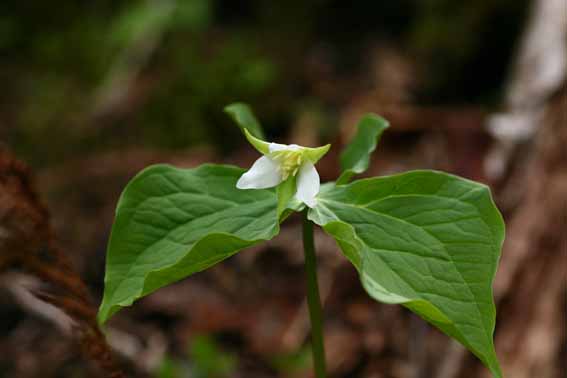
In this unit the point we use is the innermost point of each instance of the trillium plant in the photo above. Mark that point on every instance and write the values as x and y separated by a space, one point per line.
282 162
427 240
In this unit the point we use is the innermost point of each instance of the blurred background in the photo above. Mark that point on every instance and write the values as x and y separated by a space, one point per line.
95 91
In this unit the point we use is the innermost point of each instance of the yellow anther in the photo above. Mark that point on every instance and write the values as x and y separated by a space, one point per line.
289 161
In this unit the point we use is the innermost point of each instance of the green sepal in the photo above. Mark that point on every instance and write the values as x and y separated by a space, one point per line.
314 154
258 144
285 192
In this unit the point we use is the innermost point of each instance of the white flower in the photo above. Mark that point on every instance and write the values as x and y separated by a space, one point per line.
281 162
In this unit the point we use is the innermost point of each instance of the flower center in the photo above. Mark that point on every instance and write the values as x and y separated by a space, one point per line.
289 161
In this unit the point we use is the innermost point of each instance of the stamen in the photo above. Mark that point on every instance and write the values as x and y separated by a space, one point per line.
289 161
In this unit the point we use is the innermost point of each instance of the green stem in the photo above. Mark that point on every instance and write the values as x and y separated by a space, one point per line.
313 299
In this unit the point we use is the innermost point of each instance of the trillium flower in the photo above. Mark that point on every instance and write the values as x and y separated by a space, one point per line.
282 162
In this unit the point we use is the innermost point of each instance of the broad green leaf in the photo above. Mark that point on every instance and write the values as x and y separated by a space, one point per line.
356 156
172 222
428 240
245 119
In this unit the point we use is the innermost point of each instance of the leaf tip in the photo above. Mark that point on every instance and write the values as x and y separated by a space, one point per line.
242 114
233 107
376 120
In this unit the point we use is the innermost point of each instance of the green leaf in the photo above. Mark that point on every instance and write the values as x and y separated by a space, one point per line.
428 240
245 119
169 368
356 156
210 360
172 222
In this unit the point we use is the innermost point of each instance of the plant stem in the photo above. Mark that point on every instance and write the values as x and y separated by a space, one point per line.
313 298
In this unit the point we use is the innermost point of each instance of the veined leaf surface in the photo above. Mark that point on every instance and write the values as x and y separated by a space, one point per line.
428 240
171 223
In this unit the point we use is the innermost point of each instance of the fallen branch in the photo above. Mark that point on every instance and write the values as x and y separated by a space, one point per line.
27 243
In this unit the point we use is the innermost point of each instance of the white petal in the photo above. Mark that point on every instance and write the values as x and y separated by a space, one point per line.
264 173
294 147
275 147
308 184
278 147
